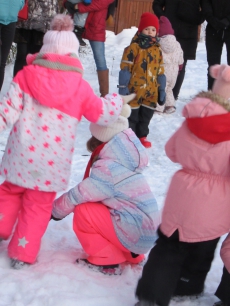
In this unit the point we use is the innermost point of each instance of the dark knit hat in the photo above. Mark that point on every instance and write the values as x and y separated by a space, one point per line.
165 27
147 20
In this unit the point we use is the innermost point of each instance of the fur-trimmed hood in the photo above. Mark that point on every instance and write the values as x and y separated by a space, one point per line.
205 104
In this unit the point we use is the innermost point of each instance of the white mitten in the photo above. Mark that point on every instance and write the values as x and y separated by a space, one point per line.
128 98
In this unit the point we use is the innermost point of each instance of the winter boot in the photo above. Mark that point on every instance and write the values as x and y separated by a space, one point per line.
78 32
103 79
17 264
147 144
105 269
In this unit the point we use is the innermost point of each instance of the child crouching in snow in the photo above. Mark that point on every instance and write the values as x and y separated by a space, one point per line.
115 212
45 103
196 210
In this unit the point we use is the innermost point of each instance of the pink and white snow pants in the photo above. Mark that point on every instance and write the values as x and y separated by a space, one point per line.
94 228
32 210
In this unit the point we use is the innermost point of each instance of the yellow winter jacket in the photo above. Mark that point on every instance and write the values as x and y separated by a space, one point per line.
144 65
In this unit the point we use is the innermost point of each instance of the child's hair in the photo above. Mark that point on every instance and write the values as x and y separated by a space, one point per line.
93 143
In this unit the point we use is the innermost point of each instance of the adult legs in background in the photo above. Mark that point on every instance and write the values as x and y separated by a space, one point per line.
93 226
6 39
23 49
98 49
179 81
32 222
223 292
165 268
214 45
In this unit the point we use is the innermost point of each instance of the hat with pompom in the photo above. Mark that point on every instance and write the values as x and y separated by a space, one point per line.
147 20
165 27
221 86
106 133
60 39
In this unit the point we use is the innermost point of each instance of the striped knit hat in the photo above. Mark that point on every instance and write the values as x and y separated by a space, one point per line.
60 39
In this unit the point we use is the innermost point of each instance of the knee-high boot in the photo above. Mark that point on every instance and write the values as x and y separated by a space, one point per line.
103 79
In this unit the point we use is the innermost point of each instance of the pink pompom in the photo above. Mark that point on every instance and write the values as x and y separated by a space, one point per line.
226 74
214 71
61 22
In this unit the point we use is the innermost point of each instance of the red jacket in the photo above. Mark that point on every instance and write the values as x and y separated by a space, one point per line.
96 20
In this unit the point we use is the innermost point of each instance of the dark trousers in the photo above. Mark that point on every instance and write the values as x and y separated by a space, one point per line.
139 120
175 268
6 39
223 290
179 80
214 46
23 49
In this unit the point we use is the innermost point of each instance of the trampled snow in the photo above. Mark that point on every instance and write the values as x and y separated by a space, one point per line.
56 279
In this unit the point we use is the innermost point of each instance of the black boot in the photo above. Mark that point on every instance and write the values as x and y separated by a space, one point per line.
78 32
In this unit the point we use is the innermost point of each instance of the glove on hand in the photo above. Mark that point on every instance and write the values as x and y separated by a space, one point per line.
87 2
55 219
226 22
123 80
62 207
70 7
128 98
217 24
161 79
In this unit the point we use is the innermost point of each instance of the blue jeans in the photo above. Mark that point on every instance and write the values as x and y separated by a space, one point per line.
98 48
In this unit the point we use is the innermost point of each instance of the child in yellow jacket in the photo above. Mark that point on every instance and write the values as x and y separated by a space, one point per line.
142 72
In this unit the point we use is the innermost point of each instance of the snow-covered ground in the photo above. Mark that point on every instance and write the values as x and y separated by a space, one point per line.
56 280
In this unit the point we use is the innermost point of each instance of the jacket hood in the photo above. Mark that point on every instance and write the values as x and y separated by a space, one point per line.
127 150
168 43
47 78
206 104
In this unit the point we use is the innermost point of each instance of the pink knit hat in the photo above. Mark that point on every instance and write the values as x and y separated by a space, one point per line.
165 27
61 38
147 20
221 85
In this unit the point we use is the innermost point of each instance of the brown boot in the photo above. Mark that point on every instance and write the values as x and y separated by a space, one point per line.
103 79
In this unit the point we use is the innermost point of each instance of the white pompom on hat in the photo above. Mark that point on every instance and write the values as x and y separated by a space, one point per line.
60 39
106 133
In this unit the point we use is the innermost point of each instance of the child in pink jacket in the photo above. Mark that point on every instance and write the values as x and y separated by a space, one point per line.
196 210
45 103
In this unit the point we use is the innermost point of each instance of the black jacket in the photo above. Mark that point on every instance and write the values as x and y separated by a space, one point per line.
185 16
217 13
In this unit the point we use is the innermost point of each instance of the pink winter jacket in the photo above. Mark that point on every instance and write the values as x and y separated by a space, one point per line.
45 103
198 200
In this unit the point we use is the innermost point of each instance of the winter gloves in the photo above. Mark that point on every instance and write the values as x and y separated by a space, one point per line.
161 79
219 24
70 7
124 78
62 207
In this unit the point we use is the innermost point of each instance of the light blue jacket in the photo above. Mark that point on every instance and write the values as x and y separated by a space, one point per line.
9 10
116 180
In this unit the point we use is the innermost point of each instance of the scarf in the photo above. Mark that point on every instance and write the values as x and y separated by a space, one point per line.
146 41
94 154
213 129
